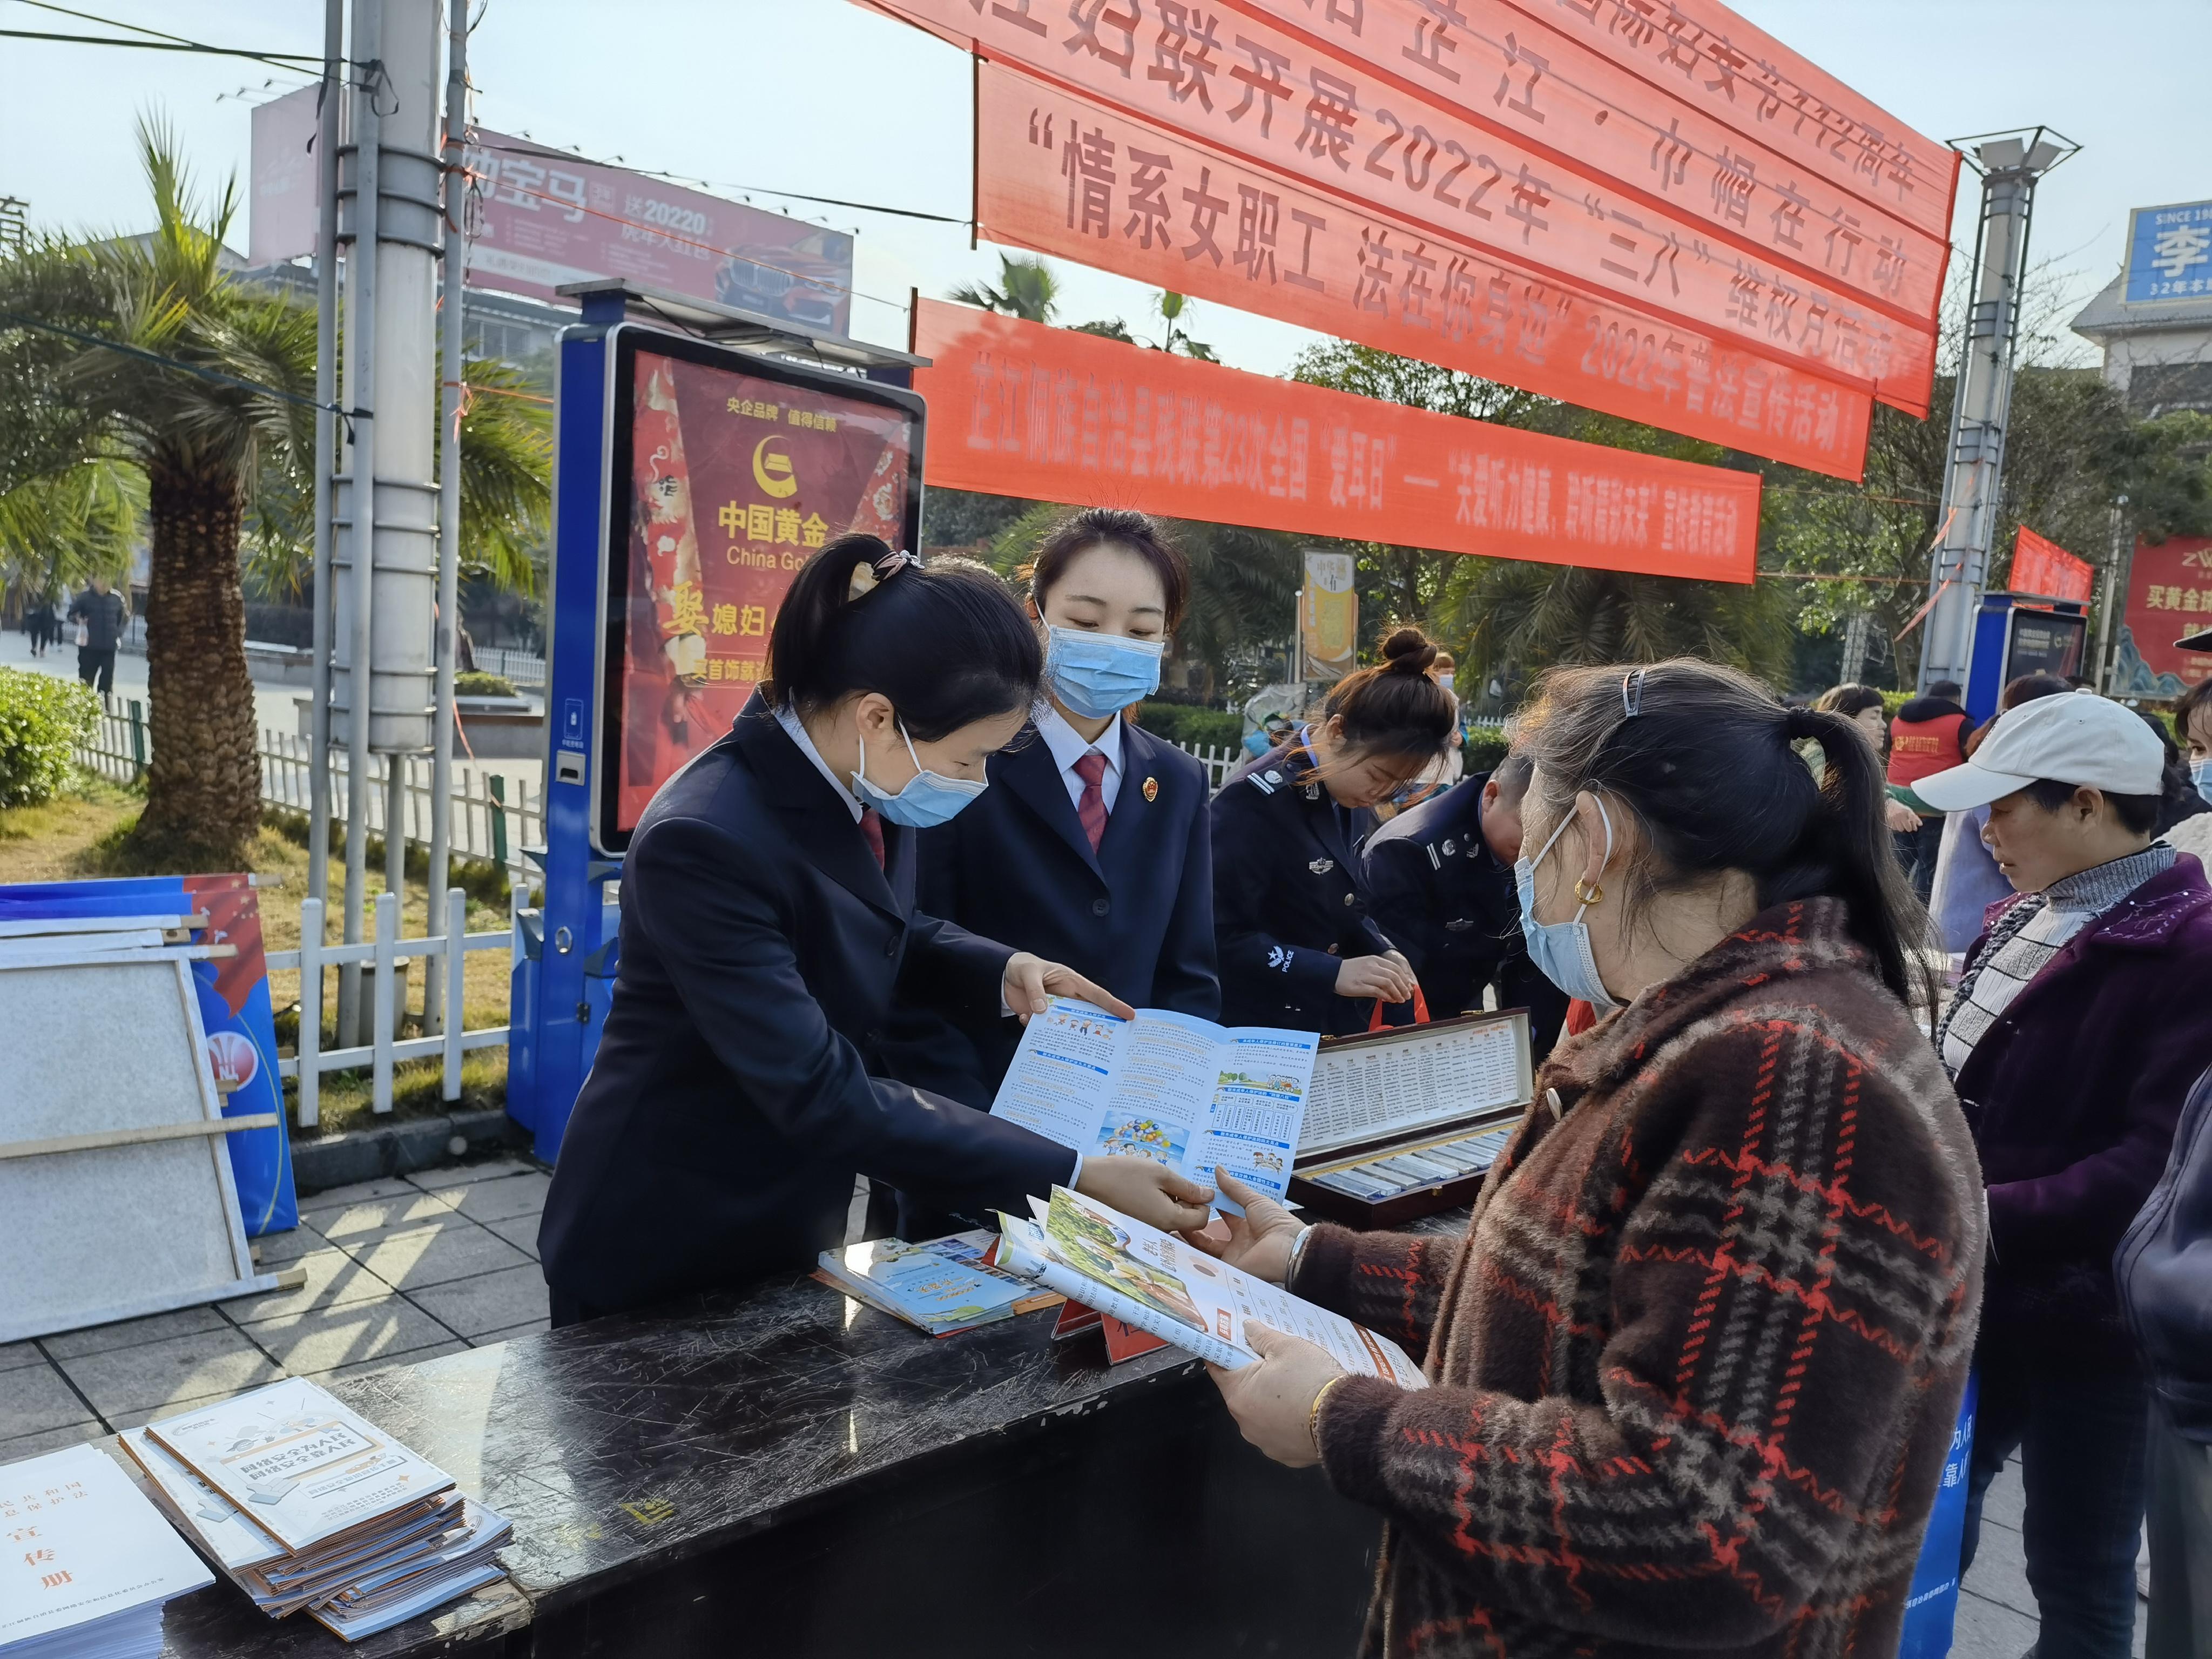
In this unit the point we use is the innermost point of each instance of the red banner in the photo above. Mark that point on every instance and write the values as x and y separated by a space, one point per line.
2048 570
1017 408
1571 104
1290 254
2169 598
1321 122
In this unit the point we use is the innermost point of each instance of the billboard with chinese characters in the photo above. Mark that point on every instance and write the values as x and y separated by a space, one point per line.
1057 416
2169 253
726 471
548 218
2169 597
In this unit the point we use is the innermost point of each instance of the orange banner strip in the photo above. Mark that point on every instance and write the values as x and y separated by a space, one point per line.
1018 409
1578 108
1484 193
1245 239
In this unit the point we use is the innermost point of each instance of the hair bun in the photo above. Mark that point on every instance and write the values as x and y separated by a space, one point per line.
1408 651
1800 723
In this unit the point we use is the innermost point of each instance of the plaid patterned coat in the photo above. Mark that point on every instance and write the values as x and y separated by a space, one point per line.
1699 1357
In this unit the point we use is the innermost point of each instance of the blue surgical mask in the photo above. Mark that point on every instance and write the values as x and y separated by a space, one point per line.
2200 774
929 798
1096 675
1561 950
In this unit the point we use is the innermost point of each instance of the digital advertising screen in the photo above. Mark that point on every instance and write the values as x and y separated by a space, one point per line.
727 472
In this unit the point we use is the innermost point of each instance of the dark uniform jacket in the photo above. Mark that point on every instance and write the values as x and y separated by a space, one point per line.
1290 903
1136 916
1447 901
102 616
717 1137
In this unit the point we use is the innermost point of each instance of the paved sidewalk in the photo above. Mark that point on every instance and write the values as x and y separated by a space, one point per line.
397 1270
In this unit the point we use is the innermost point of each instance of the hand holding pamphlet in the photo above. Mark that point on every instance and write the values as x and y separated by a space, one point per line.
1157 1283
1184 1092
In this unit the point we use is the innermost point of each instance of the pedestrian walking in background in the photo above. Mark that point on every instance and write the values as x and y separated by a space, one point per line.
1967 879
2164 1268
2075 1036
98 614
1928 735
2192 724
1862 706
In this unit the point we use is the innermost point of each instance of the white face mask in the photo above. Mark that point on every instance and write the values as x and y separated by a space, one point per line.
929 798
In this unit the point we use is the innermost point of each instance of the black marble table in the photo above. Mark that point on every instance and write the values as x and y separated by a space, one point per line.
789 1472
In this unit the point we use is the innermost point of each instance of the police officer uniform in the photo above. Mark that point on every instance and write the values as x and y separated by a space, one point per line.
1290 900
1448 903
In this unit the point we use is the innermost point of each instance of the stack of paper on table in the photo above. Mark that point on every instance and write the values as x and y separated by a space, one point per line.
1158 1283
85 1561
944 1285
308 1507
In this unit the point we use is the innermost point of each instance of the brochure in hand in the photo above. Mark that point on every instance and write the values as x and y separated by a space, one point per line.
1184 1092
943 1286
1157 1283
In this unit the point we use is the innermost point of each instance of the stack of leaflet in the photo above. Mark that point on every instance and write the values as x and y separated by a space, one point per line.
944 1285
85 1562
307 1507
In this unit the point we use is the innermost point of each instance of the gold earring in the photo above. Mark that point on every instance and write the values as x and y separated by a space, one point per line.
1587 891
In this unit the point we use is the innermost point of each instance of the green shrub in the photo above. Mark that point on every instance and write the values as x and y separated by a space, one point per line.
42 720
1181 723
1484 748
477 683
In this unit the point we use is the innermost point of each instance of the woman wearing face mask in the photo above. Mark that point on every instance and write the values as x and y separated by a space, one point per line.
1297 945
1697 1360
767 913
1091 847
2192 724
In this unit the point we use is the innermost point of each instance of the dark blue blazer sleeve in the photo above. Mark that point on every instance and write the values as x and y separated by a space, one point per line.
727 953
1244 839
1398 898
1187 979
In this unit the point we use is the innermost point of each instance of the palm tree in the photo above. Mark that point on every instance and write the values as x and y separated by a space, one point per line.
59 531
211 400
1027 290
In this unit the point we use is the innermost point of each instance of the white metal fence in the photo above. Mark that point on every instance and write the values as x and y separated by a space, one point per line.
486 823
522 667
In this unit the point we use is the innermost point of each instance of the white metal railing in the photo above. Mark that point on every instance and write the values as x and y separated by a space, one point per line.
485 824
382 956
1218 762
521 667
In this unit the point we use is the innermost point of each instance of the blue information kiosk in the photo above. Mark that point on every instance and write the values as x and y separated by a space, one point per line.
566 944
2017 633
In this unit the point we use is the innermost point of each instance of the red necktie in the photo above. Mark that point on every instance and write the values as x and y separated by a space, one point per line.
871 827
1090 767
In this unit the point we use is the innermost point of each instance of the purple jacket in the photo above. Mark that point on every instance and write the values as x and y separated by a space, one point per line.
2073 1096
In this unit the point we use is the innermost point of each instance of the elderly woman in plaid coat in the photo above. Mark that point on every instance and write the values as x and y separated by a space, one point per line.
1697 1358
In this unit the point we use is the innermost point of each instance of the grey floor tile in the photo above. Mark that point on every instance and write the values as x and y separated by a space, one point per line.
35 1398
414 1357
416 1258
521 1232
134 1333
12 1354
16 1449
145 1414
491 1302
466 1175
368 1217
2000 1572
2006 1502
308 1343
154 1375
510 1334
334 1280
1988 1630
499 1201
274 1249
337 1198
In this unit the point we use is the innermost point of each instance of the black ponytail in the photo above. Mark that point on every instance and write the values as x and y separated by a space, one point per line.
1705 757
1394 708
946 642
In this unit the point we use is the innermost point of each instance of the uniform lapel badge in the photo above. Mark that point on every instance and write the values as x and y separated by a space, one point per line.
1151 788
1322 866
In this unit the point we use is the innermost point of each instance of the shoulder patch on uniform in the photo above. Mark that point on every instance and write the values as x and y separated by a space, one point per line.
1449 849
1265 783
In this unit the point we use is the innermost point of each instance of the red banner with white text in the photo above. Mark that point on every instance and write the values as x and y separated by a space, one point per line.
2048 570
1318 120
1264 246
1018 409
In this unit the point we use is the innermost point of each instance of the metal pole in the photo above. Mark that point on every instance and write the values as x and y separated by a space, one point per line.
2010 164
360 492
326 438
455 277
2102 675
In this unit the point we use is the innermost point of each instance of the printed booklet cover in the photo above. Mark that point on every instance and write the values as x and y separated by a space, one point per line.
86 1555
1184 1092
944 1285
1156 1282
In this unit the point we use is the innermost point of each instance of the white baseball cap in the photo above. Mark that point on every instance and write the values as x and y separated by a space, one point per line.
2079 739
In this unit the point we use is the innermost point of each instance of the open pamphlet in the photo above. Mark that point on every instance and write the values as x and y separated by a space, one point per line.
1184 1092
944 1285
1157 1283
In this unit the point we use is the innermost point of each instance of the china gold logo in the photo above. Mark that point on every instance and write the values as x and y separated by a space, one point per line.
772 468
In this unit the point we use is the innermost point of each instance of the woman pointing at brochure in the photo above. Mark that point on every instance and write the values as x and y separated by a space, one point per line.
767 913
